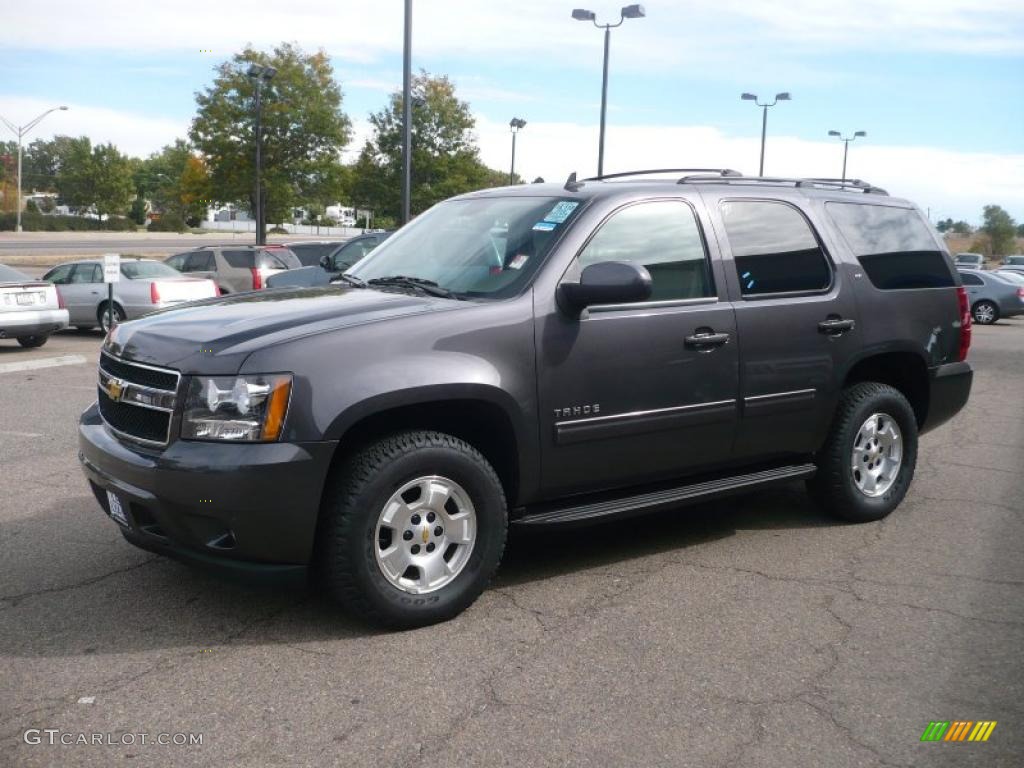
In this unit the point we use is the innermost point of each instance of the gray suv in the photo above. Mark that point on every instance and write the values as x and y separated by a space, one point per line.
235 268
538 355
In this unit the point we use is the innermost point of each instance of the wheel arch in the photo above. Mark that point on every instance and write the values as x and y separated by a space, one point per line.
903 369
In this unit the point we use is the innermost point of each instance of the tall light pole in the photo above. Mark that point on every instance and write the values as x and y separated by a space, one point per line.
407 116
846 145
515 125
627 12
260 74
20 132
784 96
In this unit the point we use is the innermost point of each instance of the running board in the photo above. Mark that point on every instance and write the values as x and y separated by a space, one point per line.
643 502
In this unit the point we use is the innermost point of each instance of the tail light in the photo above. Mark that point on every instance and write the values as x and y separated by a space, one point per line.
257 278
154 293
1020 293
965 323
216 288
60 299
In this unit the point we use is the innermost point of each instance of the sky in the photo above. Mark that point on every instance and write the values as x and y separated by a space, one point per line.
938 85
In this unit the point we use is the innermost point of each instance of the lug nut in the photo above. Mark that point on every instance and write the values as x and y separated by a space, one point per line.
415 520
438 531
407 535
415 549
430 517
430 547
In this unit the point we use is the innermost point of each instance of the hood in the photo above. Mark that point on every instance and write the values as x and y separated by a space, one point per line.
216 335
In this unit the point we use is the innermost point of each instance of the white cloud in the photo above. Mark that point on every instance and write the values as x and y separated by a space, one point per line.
951 183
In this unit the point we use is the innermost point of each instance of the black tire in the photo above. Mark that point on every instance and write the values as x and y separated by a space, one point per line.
834 487
985 313
355 496
101 315
33 341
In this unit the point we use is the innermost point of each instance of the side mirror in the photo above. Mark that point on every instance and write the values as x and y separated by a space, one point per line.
325 262
608 282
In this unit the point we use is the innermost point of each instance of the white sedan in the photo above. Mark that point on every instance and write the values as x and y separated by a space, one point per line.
30 310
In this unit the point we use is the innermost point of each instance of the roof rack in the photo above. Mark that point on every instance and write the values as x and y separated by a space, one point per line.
855 185
719 172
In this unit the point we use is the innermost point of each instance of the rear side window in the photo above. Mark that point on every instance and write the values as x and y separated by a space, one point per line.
199 261
893 245
663 236
240 259
272 260
774 248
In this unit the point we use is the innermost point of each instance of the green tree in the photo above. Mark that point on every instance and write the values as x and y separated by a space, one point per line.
1020 230
944 225
445 158
94 178
304 128
962 228
1001 229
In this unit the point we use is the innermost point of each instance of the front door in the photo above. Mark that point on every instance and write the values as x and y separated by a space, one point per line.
83 293
795 317
631 393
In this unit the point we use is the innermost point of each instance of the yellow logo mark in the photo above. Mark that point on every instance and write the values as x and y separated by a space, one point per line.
426 535
115 387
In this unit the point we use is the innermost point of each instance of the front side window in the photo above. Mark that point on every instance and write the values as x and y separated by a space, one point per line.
482 247
774 249
894 245
60 275
662 236
87 273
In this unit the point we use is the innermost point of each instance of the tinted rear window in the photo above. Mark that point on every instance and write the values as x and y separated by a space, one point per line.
309 254
240 259
285 259
894 246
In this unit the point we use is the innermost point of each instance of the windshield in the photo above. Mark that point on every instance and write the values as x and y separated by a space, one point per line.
140 270
8 275
485 247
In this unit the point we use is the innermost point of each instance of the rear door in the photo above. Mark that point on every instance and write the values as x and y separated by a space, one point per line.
200 264
795 317
83 293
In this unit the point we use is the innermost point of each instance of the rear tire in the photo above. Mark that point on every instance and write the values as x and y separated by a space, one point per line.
359 527
985 313
33 341
101 315
867 463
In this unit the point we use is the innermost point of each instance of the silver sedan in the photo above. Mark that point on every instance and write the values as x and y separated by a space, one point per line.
145 286
991 296
30 310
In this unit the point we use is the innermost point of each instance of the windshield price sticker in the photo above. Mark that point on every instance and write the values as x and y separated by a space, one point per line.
561 212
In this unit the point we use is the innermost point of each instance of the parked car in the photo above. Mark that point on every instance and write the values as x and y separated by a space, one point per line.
992 296
310 252
1014 276
235 268
145 286
30 310
634 345
331 265
1014 261
970 260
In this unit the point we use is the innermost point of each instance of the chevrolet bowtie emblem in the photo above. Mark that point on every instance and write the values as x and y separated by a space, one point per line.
114 389
426 535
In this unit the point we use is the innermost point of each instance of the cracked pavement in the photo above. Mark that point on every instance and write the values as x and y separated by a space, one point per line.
750 631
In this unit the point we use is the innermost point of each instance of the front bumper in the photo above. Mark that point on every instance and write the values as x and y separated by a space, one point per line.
32 322
250 506
950 386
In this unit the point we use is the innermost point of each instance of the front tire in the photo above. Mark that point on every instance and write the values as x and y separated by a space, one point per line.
412 529
868 460
33 341
985 313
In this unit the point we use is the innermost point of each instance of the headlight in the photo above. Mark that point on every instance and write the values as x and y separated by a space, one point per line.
245 408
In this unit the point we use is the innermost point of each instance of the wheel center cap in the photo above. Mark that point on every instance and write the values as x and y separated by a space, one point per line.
426 534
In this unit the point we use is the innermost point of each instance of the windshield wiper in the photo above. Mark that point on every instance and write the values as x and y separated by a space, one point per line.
358 282
427 286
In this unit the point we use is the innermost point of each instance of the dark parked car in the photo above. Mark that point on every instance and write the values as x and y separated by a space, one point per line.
330 265
538 355
235 268
311 252
992 296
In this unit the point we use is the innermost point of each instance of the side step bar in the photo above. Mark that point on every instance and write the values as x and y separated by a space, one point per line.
685 494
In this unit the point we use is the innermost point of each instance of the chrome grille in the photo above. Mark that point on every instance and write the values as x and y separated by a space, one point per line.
137 401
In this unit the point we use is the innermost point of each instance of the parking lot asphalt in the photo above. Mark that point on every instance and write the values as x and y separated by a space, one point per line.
748 632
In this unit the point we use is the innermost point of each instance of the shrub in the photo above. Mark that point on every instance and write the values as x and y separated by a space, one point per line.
36 222
277 231
168 222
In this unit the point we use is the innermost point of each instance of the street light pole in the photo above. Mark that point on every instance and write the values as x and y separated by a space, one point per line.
407 116
784 96
260 74
846 145
20 132
627 12
515 125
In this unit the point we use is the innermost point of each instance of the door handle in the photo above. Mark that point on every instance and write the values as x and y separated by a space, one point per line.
835 326
705 340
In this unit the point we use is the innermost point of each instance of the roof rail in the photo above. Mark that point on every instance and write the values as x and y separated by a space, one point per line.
649 171
855 185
